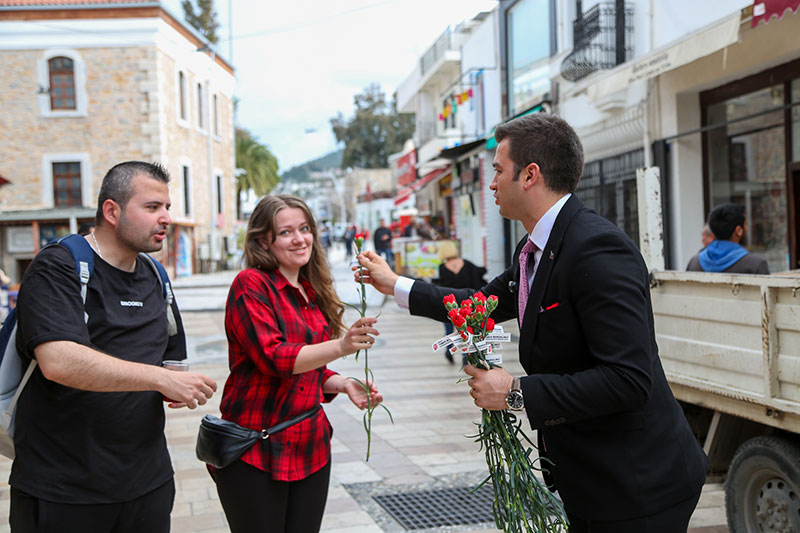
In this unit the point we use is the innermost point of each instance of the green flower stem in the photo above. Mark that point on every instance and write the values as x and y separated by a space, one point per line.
368 375
522 503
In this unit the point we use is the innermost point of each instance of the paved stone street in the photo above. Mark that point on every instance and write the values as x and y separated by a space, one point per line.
426 447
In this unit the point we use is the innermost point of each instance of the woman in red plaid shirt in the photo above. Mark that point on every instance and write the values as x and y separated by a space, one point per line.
283 320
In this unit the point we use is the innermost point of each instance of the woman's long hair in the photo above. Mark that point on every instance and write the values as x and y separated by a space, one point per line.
316 271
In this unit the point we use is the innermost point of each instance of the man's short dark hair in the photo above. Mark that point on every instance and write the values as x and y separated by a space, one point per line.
548 141
118 183
724 218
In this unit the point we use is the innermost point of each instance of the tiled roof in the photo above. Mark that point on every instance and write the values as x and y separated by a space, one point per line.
45 3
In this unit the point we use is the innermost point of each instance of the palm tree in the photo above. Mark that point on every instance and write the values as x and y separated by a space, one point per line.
256 167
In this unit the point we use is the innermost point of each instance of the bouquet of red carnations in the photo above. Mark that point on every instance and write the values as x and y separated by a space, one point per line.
521 501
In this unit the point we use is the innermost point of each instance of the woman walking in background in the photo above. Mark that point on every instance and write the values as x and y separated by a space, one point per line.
457 273
283 321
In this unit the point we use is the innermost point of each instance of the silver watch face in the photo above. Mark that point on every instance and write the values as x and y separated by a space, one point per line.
515 400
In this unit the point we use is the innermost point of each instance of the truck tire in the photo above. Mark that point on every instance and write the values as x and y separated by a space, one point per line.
762 491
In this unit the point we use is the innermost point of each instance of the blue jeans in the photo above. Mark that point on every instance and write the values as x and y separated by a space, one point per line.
388 255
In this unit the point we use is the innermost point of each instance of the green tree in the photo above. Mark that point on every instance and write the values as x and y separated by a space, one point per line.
204 19
375 131
256 167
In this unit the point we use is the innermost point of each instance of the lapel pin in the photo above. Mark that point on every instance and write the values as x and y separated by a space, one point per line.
552 255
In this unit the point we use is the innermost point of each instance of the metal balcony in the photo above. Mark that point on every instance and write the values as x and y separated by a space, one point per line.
601 40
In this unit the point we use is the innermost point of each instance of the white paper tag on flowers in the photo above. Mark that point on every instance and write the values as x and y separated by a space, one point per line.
495 358
496 336
481 345
441 343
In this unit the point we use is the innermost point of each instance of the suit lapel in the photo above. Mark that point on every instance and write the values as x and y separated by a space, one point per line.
549 257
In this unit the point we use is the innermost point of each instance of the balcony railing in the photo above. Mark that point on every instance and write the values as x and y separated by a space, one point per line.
601 40
449 41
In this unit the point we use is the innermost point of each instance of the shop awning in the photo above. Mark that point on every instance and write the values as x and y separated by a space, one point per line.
766 9
491 143
405 192
702 43
47 214
457 151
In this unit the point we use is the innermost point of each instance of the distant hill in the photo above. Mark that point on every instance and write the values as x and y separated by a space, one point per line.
302 172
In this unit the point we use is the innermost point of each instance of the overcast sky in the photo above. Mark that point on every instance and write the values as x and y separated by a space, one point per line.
299 62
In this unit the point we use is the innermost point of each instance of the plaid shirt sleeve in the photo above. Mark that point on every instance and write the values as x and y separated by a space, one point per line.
267 322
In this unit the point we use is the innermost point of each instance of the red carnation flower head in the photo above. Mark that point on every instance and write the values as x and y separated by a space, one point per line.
480 310
458 321
453 312
359 241
489 325
469 329
491 303
466 303
478 297
466 312
450 301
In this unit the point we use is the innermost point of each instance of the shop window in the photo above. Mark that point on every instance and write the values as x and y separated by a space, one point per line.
62 83
608 186
746 165
67 184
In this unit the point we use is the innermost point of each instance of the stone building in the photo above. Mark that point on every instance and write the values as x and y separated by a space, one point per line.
88 84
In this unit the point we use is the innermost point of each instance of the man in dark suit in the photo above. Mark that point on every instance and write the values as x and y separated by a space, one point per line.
624 459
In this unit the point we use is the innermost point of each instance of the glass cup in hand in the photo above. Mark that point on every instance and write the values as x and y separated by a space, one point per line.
178 366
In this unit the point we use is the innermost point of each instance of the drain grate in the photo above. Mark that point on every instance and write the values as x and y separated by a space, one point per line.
435 508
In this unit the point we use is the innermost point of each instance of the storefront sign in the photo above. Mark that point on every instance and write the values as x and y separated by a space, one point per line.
407 169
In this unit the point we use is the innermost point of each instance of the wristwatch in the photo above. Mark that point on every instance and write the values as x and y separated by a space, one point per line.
514 399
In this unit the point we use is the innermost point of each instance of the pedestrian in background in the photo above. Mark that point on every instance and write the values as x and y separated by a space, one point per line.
725 253
383 242
90 448
349 237
86 228
283 320
458 273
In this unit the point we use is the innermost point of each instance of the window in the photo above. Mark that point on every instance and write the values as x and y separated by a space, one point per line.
216 116
62 83
200 118
529 44
609 187
186 183
219 194
746 164
61 79
182 95
67 184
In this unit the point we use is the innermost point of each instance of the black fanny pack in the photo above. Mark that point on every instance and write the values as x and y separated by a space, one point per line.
221 442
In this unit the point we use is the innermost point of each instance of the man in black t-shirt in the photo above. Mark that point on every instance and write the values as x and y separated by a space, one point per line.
383 242
90 448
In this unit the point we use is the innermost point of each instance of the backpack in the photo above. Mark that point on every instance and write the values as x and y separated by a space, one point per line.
13 377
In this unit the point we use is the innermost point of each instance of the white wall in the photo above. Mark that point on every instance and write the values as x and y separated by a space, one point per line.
480 51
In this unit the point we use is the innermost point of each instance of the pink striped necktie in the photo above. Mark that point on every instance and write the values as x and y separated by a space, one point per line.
525 255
